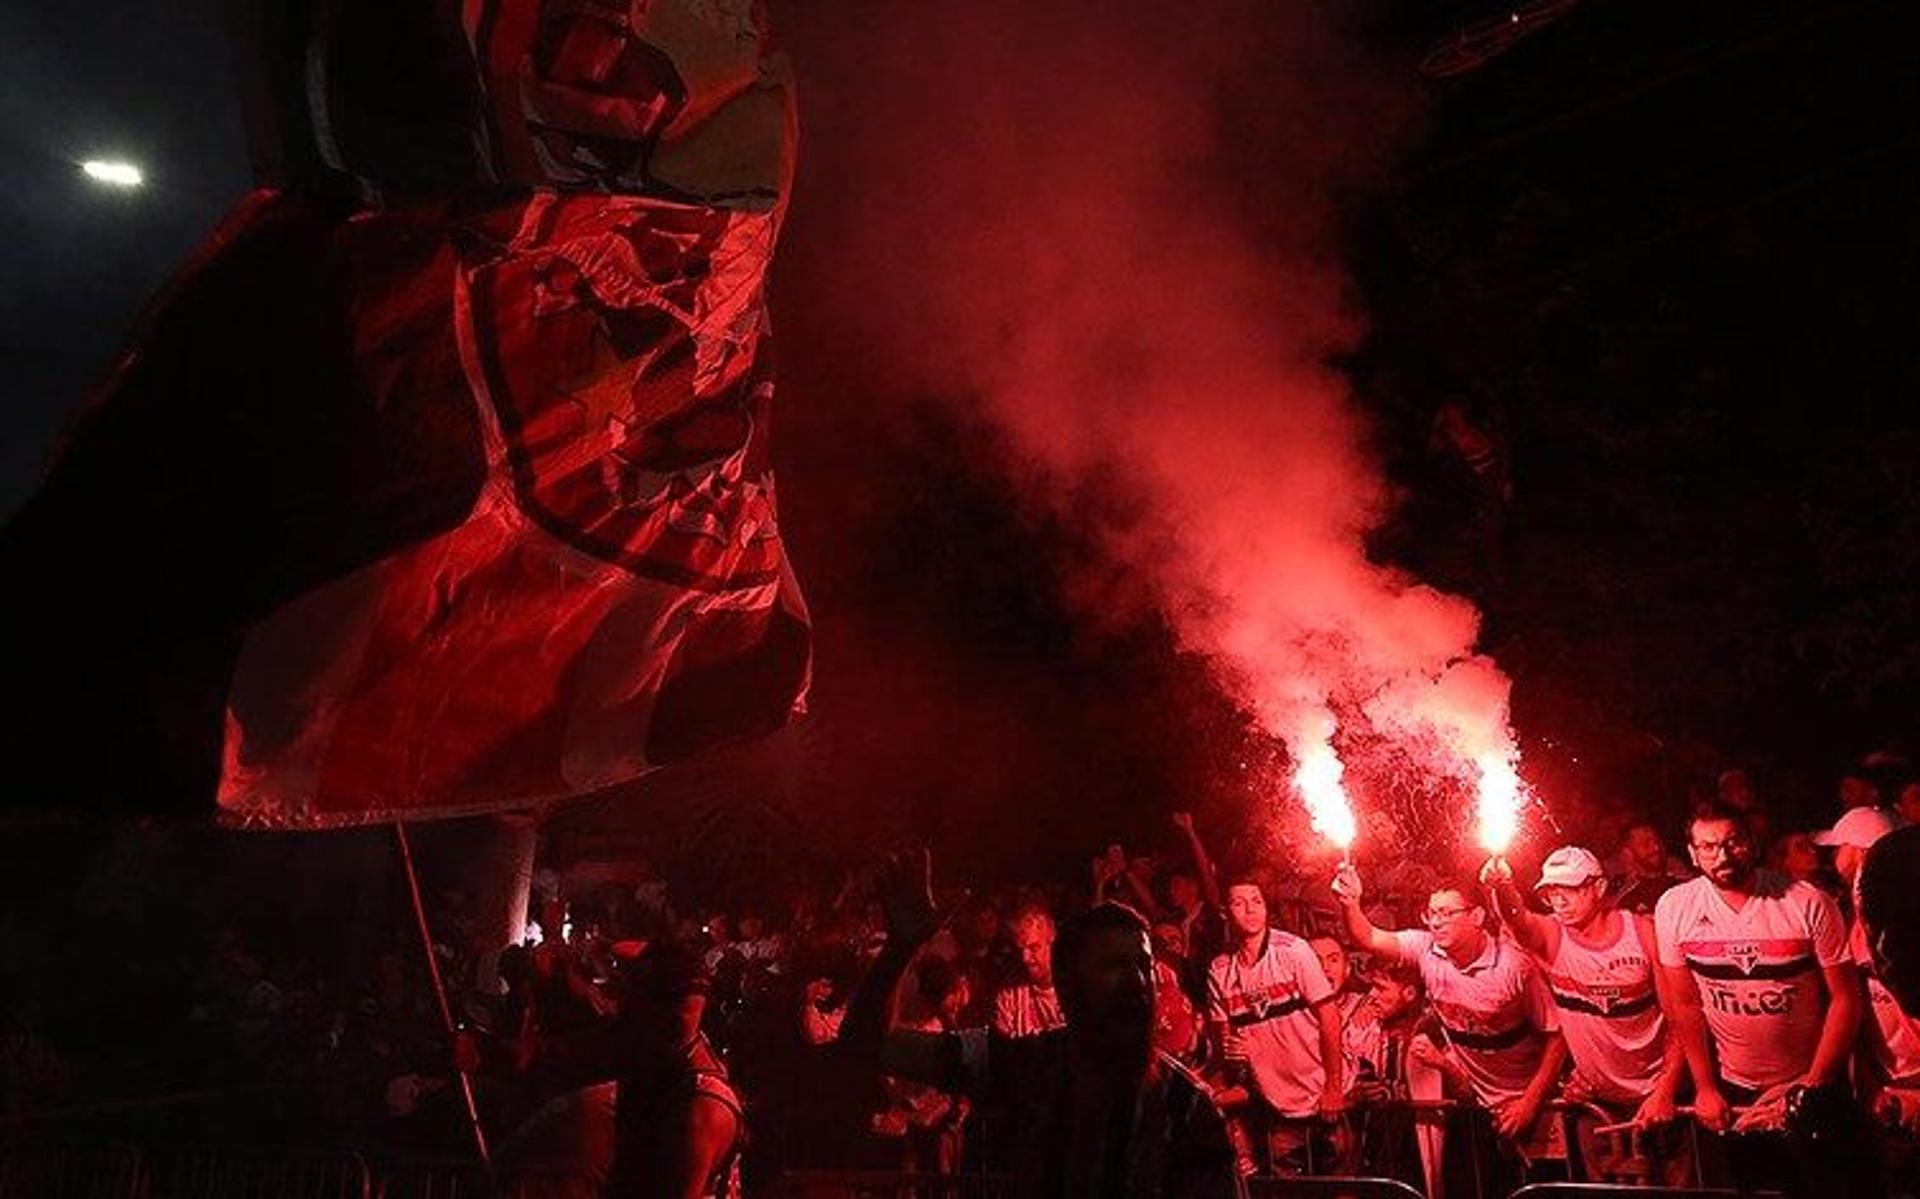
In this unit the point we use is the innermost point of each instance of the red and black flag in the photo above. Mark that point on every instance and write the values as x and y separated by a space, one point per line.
438 481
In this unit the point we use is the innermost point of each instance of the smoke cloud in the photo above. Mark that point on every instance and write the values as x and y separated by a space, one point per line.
1112 229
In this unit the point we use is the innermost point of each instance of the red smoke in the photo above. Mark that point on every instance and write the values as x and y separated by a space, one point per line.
1112 226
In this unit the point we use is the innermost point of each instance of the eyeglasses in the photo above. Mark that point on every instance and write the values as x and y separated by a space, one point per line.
1442 915
1728 846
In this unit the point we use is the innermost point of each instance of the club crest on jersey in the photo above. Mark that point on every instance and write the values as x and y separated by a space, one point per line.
1744 954
1604 996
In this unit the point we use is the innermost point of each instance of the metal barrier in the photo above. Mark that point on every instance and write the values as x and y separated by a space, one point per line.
228 1115
439 1179
890 1184
1603 1190
1311 1187
50 1170
223 1174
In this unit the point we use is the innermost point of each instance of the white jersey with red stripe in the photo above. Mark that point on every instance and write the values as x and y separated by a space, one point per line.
1895 1036
1758 970
1026 1010
1494 1011
1270 1004
1610 1012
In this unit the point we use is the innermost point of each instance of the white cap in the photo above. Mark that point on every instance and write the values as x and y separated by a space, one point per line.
1859 827
1569 866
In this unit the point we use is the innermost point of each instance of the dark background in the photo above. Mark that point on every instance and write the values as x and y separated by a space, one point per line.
1661 254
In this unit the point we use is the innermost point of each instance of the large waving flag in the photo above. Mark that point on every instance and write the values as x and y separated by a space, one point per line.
454 496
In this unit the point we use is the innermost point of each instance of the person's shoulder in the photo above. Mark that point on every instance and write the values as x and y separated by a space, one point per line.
1413 941
1217 968
1279 940
1676 897
1516 956
1807 896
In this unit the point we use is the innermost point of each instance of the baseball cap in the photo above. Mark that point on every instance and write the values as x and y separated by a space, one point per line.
1859 827
1569 866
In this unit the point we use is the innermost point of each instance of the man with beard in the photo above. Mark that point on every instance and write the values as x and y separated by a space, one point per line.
1599 967
1027 1006
1092 1108
1766 1002
1381 1044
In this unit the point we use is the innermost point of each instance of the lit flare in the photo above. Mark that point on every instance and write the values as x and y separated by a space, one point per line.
1318 780
1499 806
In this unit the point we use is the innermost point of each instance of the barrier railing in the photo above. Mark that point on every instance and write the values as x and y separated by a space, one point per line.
224 1174
44 1170
1311 1187
1603 1190
423 1178
1626 1153
890 1184
41 1159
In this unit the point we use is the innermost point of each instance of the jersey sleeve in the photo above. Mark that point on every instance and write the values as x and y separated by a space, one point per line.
1857 944
1666 930
1217 991
1314 987
1003 1012
1541 1009
1828 930
1413 943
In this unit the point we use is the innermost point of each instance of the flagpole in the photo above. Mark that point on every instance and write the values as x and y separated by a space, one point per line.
440 996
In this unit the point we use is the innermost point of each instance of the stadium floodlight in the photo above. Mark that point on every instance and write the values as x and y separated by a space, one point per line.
113 174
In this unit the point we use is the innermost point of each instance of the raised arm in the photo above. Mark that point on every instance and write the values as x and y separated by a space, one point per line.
866 1041
1537 934
1104 872
1379 942
1142 893
1202 864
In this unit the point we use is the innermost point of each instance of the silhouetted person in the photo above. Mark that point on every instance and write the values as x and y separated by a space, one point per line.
676 1122
1890 910
1093 1108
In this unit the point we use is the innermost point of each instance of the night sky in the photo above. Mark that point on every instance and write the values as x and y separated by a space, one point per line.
1661 256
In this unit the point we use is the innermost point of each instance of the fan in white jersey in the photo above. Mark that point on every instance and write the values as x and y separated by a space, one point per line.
1269 1004
1891 1080
1028 1007
1600 968
1764 996
1500 1023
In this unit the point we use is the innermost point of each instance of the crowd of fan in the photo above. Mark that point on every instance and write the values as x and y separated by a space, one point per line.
1461 1035
1158 1020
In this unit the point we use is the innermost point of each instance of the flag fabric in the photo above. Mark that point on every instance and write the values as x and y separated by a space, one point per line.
454 496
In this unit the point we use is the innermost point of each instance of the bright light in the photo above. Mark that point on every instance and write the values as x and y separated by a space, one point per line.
1318 778
1499 803
114 174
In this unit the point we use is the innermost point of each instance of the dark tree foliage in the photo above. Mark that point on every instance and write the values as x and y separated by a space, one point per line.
1665 255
